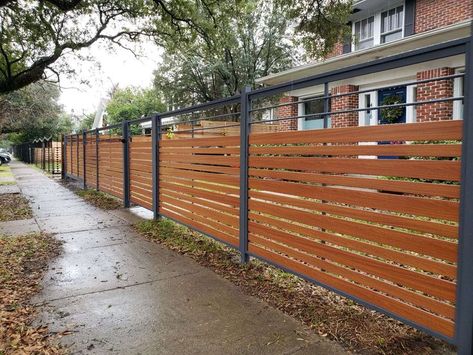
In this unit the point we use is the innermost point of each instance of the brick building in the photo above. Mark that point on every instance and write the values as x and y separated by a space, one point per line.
380 29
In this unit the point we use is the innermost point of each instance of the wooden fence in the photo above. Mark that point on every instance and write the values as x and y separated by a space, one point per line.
325 204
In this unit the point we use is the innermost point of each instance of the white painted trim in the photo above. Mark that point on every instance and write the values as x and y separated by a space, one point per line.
410 98
363 120
457 91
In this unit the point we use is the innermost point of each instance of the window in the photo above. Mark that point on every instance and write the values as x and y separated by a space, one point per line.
391 24
315 106
382 27
364 33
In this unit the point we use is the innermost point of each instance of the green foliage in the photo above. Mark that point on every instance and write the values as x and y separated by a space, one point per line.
228 49
320 24
392 114
35 35
32 112
131 103
87 122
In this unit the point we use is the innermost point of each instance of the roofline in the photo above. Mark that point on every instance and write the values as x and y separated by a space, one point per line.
319 65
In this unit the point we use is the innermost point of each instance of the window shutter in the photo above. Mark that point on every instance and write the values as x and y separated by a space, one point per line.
347 42
409 17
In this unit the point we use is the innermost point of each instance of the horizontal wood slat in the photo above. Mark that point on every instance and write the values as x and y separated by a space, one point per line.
417 188
426 131
424 169
419 150
202 142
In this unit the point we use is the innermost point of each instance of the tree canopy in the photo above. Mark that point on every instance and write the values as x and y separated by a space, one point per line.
33 112
36 35
231 53
131 103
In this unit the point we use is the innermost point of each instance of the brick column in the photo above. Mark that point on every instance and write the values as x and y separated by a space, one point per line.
438 89
288 111
347 102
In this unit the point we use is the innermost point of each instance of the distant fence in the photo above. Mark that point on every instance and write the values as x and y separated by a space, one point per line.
380 214
46 153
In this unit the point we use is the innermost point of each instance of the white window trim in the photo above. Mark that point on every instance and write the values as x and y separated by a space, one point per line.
377 26
411 111
362 119
457 104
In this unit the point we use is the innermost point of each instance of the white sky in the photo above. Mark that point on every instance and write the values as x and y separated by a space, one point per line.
107 68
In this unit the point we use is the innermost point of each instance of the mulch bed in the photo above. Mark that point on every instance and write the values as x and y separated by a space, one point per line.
14 207
355 327
23 262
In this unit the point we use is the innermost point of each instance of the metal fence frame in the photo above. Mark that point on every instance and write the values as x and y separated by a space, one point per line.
464 305
48 159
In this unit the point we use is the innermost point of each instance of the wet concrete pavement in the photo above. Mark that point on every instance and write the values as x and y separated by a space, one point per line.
119 293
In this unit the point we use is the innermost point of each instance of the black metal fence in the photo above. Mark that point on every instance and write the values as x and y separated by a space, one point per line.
45 153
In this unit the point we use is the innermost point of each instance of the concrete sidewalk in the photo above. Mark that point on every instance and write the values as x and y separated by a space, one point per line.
119 293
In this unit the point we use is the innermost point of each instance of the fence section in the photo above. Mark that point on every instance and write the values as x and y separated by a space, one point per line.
111 164
371 212
141 165
45 153
199 184
324 204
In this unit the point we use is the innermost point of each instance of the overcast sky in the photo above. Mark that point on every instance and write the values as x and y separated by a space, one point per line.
119 67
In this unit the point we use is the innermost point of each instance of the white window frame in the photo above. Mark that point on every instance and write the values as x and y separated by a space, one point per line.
411 111
301 108
362 115
377 26
457 91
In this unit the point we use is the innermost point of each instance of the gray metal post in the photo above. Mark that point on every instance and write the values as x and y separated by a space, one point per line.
97 141
155 138
84 160
43 155
126 164
244 142
464 305
77 151
326 104
71 154
63 157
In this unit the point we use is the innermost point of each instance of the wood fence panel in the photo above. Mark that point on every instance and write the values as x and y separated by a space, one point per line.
369 211
199 184
111 165
141 178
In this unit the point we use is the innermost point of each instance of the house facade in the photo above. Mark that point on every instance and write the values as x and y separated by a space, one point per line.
381 29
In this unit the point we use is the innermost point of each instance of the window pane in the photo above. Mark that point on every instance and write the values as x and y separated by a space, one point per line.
314 106
365 44
391 36
371 27
392 20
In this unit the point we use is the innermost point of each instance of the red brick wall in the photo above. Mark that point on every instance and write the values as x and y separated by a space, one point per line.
288 111
344 103
431 14
438 89
337 50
